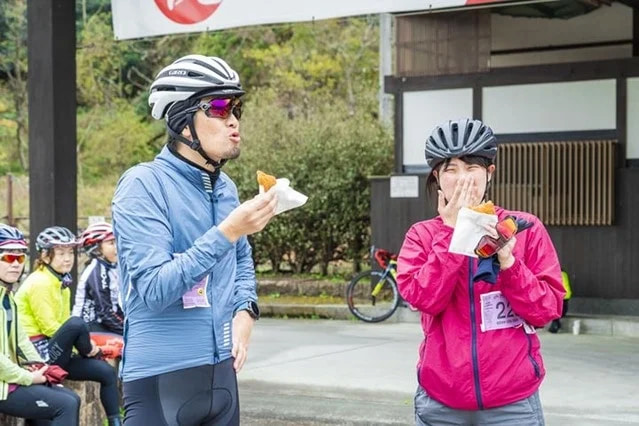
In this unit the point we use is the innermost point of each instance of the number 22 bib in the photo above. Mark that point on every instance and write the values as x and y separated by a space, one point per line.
496 312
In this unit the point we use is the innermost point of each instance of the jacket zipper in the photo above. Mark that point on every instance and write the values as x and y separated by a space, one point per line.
530 357
213 200
473 331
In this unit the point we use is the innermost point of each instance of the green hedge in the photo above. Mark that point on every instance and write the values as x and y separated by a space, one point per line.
328 154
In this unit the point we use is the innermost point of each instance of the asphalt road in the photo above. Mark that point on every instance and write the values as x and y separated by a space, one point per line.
312 372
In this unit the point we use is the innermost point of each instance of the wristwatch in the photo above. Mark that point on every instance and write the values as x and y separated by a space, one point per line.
251 307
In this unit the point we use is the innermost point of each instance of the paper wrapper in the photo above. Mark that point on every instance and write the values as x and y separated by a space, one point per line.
469 229
287 197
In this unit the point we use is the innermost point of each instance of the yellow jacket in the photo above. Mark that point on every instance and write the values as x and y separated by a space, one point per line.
43 306
565 279
15 348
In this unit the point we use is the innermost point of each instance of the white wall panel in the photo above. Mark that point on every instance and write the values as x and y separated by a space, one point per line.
426 109
551 107
632 136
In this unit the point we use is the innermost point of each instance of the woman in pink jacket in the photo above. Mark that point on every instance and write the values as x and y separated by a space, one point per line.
480 360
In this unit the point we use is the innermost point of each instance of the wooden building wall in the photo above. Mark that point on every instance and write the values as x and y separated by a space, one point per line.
443 43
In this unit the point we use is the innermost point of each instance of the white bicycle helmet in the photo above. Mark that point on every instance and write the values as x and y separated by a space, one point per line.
192 76
180 86
93 235
55 236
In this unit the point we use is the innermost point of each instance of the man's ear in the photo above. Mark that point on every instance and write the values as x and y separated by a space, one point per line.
186 132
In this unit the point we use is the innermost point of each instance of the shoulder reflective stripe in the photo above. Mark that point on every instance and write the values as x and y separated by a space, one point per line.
128 291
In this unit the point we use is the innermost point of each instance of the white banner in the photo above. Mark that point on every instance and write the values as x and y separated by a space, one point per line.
142 18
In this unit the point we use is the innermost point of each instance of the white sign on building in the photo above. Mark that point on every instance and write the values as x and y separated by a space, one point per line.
142 18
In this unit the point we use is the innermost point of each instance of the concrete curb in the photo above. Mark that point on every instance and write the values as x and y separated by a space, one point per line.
621 326
337 312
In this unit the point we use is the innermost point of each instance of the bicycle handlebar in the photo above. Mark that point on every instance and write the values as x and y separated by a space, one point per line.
382 257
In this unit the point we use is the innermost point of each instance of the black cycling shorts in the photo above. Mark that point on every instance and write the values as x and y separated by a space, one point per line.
198 396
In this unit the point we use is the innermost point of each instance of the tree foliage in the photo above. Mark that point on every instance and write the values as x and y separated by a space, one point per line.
13 90
311 116
327 154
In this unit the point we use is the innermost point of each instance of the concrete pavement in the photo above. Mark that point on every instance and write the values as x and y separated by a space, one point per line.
318 372
605 325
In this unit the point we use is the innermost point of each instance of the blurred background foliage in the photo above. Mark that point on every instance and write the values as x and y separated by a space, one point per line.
310 116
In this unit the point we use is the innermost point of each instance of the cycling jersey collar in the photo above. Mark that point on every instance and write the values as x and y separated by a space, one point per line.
105 262
65 279
197 175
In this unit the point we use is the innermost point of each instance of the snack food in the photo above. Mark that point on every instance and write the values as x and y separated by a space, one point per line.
487 208
265 180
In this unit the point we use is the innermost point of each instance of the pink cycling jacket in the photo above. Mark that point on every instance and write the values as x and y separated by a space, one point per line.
460 365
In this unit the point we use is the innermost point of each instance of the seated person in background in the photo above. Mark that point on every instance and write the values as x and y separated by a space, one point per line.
22 391
43 302
96 298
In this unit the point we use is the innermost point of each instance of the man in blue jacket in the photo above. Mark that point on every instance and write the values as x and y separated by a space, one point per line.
188 280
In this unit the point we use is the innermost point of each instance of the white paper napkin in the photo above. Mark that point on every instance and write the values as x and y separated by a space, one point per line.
287 197
469 229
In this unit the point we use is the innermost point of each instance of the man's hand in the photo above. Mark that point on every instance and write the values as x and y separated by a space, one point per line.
249 217
242 327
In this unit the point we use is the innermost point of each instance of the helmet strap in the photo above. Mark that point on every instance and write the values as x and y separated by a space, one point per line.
195 143
65 279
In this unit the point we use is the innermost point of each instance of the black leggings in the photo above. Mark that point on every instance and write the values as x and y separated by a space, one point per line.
54 406
75 333
199 396
556 323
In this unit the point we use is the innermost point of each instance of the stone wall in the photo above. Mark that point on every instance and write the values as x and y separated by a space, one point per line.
298 287
10 421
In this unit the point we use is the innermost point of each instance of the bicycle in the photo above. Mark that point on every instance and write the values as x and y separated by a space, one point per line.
372 296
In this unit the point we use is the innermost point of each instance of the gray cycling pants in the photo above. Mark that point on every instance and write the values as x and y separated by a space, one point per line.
527 412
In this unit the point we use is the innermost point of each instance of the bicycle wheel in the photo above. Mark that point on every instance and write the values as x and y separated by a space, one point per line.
370 299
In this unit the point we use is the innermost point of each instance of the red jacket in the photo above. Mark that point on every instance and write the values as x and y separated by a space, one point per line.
461 366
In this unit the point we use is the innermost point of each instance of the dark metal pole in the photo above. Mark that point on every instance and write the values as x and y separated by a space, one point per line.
52 115
10 219
635 31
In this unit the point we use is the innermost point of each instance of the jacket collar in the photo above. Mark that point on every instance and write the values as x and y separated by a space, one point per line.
199 177
105 262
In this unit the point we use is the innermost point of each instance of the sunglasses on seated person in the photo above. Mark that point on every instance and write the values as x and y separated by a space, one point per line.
10 257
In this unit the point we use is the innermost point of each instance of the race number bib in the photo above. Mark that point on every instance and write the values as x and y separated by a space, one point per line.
196 297
496 312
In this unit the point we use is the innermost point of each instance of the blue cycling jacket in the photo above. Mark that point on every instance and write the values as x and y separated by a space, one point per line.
165 217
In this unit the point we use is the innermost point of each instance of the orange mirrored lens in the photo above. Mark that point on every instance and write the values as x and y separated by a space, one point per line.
507 228
487 246
10 258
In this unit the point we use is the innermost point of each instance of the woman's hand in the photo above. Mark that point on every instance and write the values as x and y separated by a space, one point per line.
35 366
95 349
38 376
505 255
465 195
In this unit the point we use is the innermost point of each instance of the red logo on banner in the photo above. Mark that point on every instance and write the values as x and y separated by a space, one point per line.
188 11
